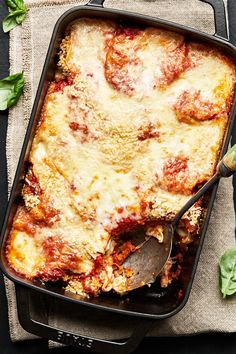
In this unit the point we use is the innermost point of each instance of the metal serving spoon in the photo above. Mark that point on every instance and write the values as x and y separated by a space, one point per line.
150 257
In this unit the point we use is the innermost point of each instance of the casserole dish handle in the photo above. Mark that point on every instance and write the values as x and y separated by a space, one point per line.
219 15
68 338
231 4
96 3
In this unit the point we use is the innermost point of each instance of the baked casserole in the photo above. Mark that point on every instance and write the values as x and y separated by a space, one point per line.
131 127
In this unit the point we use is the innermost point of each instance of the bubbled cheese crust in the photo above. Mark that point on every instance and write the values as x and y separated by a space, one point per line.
132 128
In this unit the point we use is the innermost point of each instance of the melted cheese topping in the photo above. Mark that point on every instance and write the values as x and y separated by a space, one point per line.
105 139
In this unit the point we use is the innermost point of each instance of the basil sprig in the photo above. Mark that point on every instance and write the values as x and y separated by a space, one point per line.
11 88
228 272
16 15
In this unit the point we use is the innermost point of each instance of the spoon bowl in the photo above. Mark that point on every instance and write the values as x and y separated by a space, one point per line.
152 255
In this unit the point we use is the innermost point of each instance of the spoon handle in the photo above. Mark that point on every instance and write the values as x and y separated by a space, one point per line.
225 168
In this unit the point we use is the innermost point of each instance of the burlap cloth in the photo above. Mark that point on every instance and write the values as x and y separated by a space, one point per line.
205 310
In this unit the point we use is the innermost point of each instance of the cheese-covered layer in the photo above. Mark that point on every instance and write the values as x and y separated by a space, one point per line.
132 128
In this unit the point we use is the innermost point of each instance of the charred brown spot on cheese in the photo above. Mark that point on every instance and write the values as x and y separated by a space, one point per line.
73 187
191 107
74 126
83 128
148 132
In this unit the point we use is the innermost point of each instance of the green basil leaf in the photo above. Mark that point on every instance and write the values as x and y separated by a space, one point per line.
11 88
15 4
16 16
13 19
228 272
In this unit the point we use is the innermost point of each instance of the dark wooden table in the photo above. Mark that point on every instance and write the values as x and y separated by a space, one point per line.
211 343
